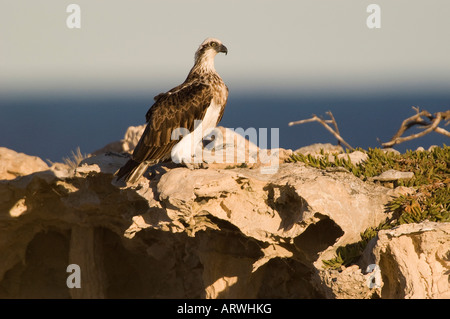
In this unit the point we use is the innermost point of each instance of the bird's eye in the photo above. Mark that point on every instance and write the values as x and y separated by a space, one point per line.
213 44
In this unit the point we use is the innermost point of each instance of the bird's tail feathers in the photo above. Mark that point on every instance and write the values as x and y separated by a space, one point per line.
131 171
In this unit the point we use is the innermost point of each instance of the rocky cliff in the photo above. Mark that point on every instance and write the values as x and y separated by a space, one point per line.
216 232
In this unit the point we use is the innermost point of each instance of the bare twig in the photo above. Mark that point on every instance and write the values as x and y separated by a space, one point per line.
336 129
442 131
411 121
429 125
335 132
313 119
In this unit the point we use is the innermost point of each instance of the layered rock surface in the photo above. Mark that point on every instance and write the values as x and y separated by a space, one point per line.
206 233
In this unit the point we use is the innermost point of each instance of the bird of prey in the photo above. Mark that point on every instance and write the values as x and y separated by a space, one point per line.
201 97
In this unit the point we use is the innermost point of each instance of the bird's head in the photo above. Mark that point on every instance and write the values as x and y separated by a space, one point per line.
208 50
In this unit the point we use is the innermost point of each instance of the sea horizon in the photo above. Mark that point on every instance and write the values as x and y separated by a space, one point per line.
51 126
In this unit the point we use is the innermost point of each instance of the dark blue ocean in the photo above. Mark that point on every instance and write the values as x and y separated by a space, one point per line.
51 127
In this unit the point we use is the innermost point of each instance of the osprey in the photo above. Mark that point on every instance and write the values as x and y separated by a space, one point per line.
201 97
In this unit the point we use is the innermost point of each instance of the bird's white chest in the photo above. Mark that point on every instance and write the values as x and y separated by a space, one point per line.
211 116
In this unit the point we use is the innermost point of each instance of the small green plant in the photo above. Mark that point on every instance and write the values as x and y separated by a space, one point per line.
430 202
427 166
323 161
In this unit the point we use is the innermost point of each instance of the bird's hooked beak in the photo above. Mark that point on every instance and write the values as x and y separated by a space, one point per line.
222 49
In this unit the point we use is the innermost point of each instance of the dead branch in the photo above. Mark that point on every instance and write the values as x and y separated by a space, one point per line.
428 125
336 128
442 131
313 119
335 132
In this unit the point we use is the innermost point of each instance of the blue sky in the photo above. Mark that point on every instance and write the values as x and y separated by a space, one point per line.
276 46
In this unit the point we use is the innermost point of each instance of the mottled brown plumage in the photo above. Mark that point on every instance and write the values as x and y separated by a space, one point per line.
179 108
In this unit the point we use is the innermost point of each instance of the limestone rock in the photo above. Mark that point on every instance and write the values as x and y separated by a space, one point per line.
332 151
315 149
414 260
231 224
235 232
349 283
14 164
356 157
125 145
226 148
390 150
393 175
409 261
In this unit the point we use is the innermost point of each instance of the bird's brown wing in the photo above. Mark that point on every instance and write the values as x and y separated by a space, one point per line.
178 108
222 110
